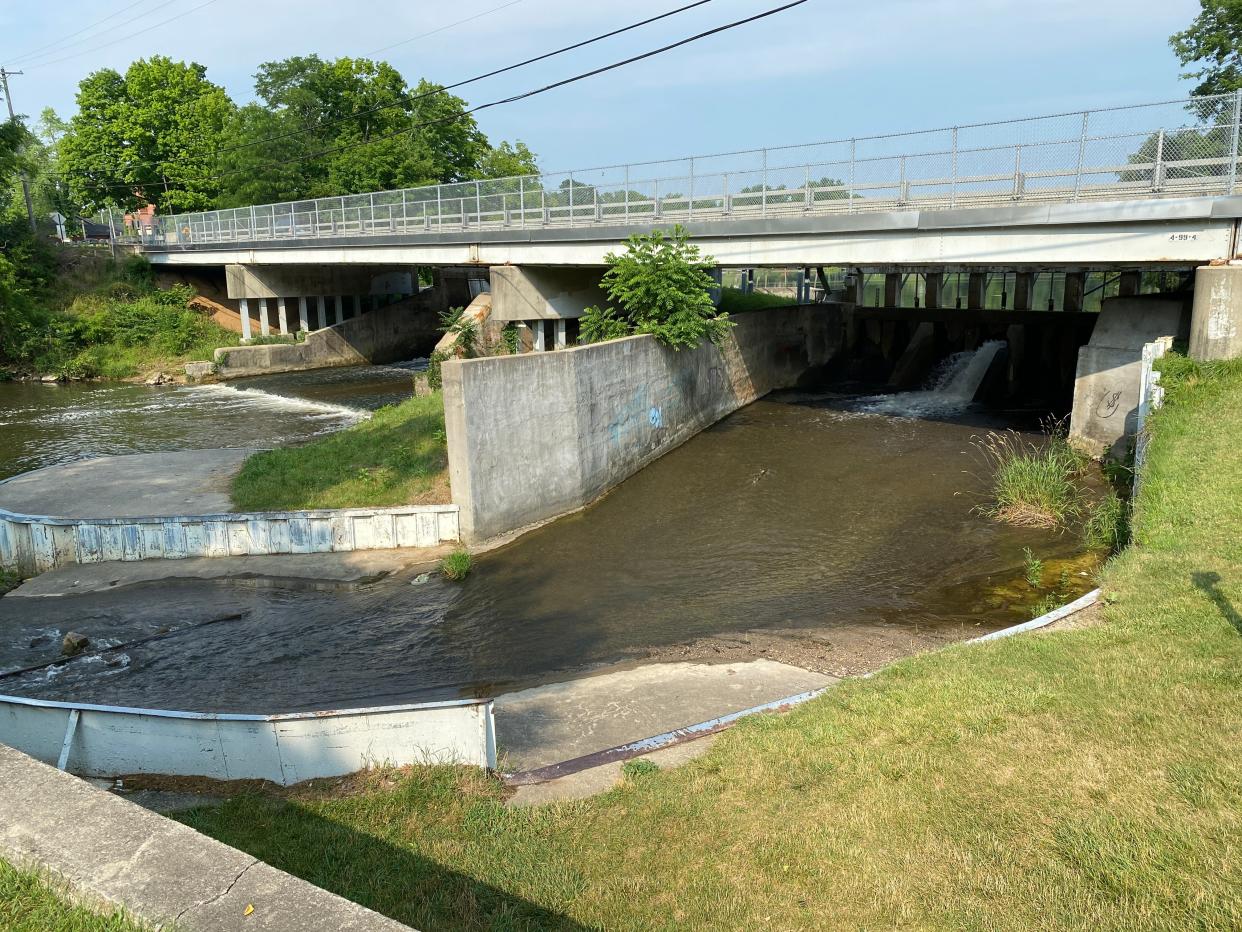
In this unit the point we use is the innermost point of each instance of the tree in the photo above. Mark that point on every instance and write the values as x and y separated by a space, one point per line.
148 137
1213 41
327 128
663 286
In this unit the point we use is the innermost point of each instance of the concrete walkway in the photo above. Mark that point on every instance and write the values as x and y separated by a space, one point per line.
349 567
105 851
187 482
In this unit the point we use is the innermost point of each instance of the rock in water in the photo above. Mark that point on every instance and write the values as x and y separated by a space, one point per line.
74 644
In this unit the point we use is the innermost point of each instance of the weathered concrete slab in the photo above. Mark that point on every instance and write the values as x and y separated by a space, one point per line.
1216 324
187 482
322 568
549 724
111 853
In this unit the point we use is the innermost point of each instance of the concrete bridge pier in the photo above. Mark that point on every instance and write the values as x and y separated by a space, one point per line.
1216 315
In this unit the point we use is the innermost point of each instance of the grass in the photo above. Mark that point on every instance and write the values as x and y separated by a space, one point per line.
397 457
1086 778
9 580
1034 484
457 565
27 904
736 301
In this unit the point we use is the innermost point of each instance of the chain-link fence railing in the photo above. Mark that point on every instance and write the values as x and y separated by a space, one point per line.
1167 149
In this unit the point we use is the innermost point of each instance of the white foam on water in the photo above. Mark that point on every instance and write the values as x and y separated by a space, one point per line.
251 398
952 387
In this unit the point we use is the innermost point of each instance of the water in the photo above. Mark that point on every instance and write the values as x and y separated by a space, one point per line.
46 424
795 516
950 390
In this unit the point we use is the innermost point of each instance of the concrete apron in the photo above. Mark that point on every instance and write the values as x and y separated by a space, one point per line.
598 771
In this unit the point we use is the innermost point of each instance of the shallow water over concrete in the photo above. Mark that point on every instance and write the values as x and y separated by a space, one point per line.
794 517
46 424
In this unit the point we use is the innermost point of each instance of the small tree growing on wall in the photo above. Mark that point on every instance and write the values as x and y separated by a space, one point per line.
663 287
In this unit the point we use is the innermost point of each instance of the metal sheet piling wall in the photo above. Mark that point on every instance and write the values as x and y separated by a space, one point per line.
38 543
107 741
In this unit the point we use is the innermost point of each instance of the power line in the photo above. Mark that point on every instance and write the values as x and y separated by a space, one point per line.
411 98
163 22
34 53
495 103
460 22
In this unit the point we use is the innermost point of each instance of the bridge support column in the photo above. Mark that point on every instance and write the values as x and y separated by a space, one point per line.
1075 283
561 334
1022 291
892 289
321 306
243 310
340 309
1130 284
1216 317
933 286
539 329
303 323
976 290
282 315
264 326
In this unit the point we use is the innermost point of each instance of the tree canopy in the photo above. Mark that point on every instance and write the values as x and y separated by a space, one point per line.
317 128
1213 41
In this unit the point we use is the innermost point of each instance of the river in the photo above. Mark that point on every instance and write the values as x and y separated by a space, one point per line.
43 424
805 527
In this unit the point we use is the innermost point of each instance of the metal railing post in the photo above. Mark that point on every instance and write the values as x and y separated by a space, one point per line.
953 173
853 169
522 199
806 189
1017 171
1082 153
478 203
690 208
763 203
439 212
725 207
627 193
1157 171
571 198
1233 139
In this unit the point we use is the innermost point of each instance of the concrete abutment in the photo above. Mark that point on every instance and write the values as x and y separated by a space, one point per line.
1216 317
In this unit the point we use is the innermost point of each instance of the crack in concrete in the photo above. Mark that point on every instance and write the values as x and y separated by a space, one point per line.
219 896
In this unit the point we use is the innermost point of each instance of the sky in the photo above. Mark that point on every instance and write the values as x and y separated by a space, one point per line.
824 70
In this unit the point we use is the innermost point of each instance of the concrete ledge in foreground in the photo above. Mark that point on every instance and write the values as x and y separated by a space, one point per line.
110 852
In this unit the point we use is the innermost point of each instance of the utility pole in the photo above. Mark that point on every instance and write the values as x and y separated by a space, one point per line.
8 99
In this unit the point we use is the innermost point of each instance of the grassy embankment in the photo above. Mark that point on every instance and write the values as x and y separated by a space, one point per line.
86 316
27 904
736 301
398 457
1086 778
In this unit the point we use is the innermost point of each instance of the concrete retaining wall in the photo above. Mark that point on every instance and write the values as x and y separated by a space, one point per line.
538 435
397 331
37 543
108 741
1108 376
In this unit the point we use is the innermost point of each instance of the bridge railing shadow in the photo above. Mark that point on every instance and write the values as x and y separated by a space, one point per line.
1209 583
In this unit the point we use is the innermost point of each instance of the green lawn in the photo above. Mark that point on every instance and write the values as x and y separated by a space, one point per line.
398 457
1089 778
27 904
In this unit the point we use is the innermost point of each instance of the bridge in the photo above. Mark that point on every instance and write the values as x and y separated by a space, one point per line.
1127 189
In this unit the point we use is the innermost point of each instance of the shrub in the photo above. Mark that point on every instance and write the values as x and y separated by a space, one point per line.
457 565
663 287
1034 484
1108 525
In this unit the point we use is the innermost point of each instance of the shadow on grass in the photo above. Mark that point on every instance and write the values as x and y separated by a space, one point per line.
391 879
1209 582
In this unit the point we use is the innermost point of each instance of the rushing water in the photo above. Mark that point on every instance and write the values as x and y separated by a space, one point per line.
42 424
798 512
